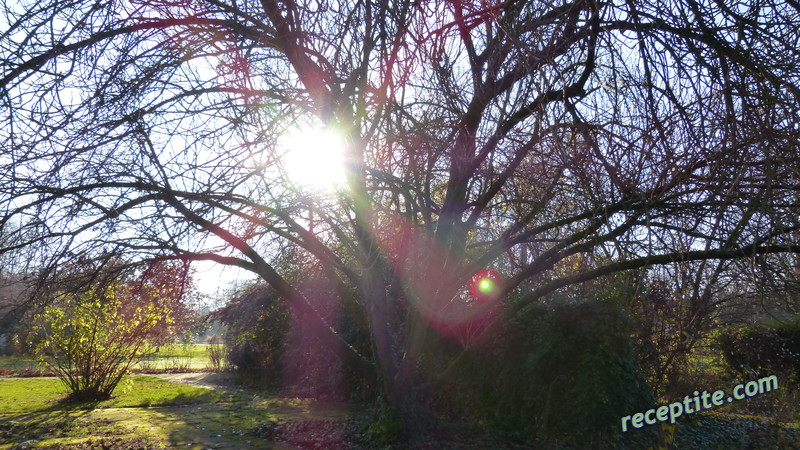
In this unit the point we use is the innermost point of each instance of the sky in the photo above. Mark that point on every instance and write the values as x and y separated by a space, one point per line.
213 279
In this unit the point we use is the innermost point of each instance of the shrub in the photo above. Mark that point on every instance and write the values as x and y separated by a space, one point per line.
216 353
268 343
92 339
256 323
762 350
561 376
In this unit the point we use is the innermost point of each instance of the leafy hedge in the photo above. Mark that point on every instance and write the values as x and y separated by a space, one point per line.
268 343
562 376
256 322
763 349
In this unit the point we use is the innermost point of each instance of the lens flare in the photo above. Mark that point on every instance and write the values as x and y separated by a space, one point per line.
484 285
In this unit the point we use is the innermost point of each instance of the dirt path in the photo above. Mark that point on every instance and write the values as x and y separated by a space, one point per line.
285 409
218 381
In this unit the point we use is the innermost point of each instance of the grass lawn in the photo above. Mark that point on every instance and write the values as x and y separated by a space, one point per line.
150 412
147 413
173 356
26 395
18 362
153 413
176 356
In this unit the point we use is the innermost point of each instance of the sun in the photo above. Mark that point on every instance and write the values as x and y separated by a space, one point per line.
314 158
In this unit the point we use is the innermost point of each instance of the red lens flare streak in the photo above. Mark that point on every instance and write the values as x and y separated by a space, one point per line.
428 271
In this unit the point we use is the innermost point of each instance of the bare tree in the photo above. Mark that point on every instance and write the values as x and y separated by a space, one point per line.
555 142
13 291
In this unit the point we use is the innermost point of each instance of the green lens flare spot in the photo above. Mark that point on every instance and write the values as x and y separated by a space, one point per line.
486 285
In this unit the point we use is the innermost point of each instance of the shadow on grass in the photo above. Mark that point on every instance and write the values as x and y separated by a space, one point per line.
57 420
71 424
155 413
38 410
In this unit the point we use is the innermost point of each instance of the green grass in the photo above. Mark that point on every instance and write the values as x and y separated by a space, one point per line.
18 362
22 395
172 356
25 395
176 356
150 391
145 412
153 413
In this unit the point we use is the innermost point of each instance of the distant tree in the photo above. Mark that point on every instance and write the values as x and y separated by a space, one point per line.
556 143
13 295
256 326
171 287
